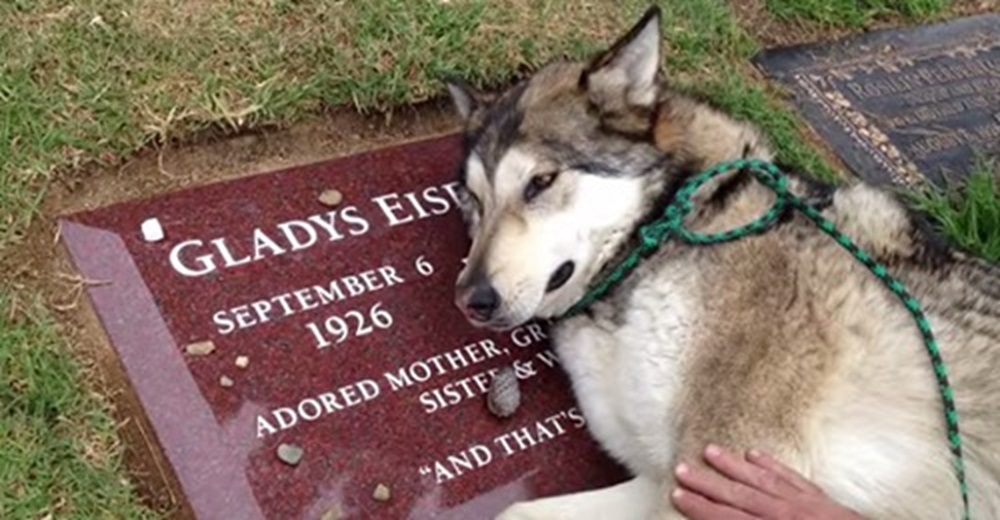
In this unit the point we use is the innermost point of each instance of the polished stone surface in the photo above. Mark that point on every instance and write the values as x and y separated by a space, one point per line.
348 343
904 105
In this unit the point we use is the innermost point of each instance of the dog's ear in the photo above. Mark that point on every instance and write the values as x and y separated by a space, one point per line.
627 73
466 98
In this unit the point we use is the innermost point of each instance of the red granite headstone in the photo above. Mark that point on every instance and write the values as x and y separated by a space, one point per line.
334 331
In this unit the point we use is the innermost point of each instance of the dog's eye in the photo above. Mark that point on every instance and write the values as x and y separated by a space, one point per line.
538 184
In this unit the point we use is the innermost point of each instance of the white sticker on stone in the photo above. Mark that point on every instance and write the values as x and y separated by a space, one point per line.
152 230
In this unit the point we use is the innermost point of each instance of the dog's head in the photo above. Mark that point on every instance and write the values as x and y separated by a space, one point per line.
557 172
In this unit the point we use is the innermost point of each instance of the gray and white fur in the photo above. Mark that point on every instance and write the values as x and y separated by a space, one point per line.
781 341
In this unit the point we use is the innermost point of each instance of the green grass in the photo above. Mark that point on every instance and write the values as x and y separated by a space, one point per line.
95 79
91 81
969 214
58 451
853 13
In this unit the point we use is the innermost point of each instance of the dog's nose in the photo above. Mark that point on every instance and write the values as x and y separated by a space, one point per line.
482 302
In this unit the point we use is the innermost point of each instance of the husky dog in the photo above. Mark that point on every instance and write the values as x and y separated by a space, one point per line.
781 341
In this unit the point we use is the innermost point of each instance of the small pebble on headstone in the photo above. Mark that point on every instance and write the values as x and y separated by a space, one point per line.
331 198
334 513
242 361
225 382
290 454
200 348
152 230
504 396
381 493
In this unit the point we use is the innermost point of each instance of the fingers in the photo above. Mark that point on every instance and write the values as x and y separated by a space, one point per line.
791 476
755 487
757 477
696 507
718 488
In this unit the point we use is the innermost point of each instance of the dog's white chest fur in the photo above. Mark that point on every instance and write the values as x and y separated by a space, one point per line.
625 373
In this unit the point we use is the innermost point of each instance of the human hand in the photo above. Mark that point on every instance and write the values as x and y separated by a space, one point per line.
752 487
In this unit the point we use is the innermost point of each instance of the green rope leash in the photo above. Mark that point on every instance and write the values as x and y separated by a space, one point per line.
670 224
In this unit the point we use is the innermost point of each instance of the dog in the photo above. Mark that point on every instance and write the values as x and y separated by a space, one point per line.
781 341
